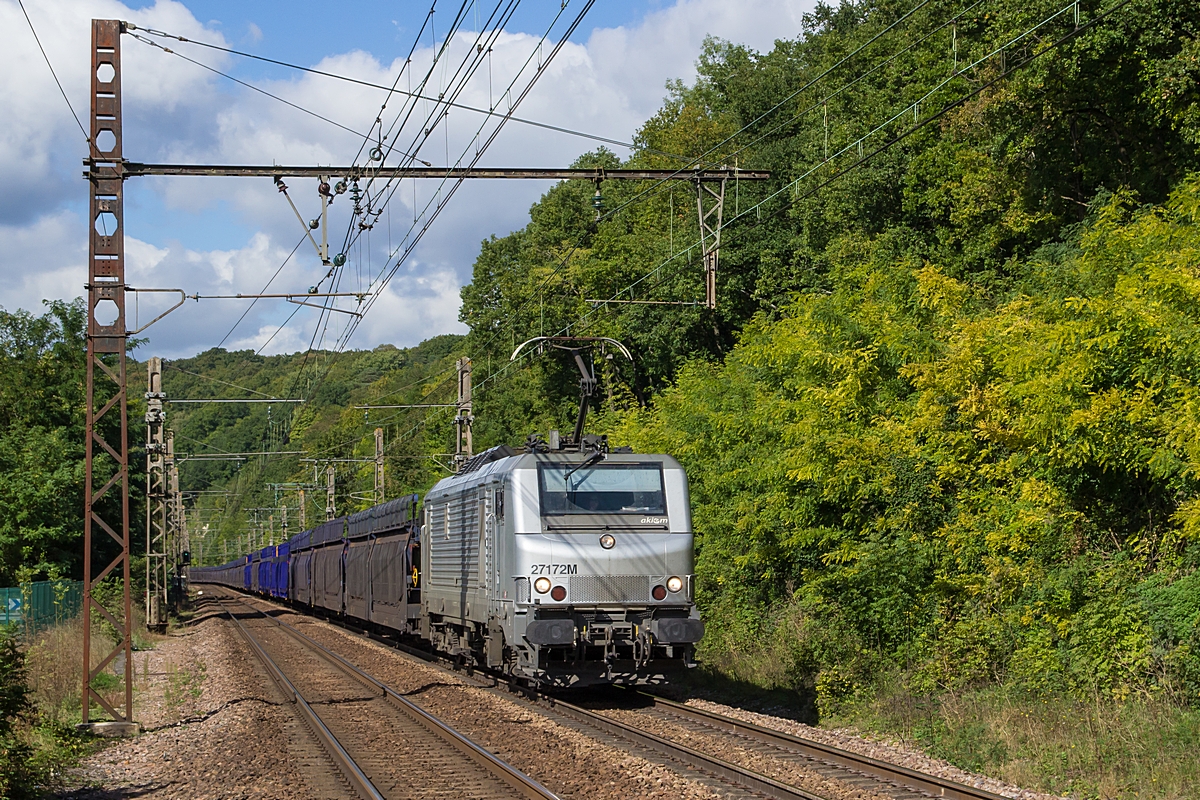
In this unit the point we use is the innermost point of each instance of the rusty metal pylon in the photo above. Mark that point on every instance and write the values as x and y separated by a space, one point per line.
106 465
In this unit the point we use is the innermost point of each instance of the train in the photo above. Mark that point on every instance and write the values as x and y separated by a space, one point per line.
552 566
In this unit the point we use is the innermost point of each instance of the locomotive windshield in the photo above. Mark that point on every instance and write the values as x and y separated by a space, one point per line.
601 489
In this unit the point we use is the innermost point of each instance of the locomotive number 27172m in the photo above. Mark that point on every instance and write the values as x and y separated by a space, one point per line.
554 569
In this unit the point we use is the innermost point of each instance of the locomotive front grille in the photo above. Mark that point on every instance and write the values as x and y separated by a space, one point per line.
610 588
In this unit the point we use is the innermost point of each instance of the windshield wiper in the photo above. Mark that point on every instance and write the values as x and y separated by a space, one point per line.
592 459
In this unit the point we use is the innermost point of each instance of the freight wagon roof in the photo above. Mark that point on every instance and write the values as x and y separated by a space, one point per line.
387 516
330 531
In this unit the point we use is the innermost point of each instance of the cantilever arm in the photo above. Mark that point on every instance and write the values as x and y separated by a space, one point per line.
182 299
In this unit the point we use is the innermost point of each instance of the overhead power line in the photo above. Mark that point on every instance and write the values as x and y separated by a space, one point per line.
609 213
479 153
1009 68
380 282
266 286
395 90
249 86
322 321
169 365
57 82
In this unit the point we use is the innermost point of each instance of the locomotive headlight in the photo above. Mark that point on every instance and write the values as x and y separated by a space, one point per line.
542 585
607 541
675 584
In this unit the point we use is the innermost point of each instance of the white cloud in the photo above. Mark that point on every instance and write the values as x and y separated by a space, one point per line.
176 111
42 260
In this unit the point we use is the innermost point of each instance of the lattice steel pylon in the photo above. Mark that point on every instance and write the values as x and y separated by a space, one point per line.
157 513
379 485
177 537
106 451
710 235
330 485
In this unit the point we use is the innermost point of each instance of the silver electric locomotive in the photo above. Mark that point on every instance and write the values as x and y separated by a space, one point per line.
564 568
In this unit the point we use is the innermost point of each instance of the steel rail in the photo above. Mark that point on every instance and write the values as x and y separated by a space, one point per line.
498 768
358 780
723 770
872 767
677 752
901 777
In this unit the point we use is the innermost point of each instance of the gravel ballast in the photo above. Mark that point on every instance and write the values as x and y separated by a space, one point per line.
883 750
213 727
569 763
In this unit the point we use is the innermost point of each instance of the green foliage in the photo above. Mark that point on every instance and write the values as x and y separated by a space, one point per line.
14 694
41 441
944 420
981 191
325 426
976 492
16 774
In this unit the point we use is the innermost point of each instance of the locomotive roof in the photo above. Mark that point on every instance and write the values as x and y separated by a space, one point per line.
504 465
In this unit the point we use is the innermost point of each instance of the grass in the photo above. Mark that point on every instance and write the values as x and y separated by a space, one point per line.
1142 748
182 687
49 744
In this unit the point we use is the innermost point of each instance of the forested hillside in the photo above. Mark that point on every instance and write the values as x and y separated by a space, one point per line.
943 427
325 429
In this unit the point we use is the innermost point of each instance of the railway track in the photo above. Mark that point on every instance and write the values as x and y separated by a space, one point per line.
644 727
826 760
383 744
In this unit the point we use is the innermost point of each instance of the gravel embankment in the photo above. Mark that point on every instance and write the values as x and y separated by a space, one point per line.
213 728
727 748
884 750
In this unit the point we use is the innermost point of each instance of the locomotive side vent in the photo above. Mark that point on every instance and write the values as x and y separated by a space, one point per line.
522 590
610 588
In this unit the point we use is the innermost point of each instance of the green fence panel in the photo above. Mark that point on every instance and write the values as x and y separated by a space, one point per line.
14 605
40 604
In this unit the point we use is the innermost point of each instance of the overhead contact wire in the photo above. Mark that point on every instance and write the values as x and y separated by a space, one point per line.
86 137
868 156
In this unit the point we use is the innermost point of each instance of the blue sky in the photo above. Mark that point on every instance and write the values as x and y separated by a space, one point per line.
223 236
301 33
298 32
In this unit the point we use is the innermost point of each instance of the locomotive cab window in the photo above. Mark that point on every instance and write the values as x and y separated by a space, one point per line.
601 489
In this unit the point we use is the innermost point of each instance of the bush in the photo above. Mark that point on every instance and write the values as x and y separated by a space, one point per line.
18 774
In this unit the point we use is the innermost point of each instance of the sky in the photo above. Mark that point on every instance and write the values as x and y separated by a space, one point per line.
213 236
